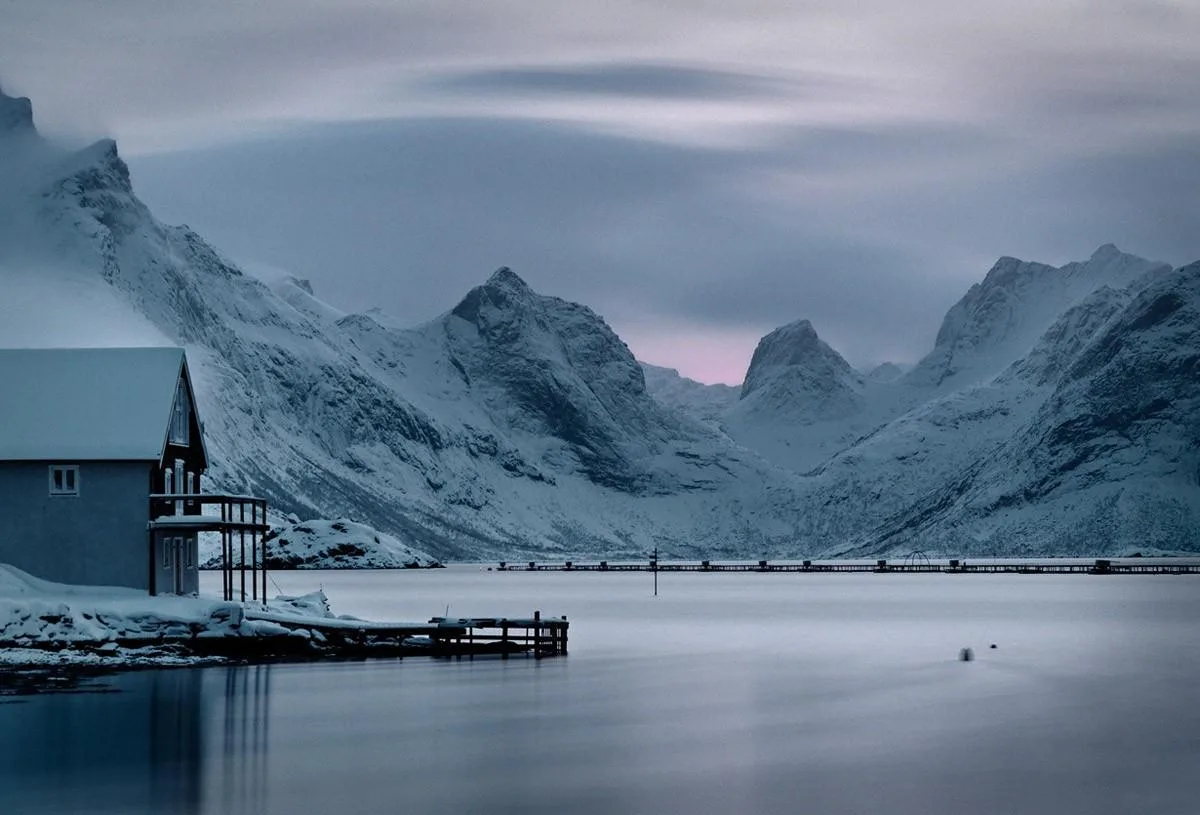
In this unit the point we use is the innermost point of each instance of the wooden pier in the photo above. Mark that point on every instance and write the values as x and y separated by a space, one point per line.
290 638
908 566
537 636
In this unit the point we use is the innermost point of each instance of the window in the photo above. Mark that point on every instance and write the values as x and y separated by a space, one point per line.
188 544
180 416
64 479
166 552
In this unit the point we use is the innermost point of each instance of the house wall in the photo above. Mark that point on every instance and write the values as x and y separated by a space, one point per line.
98 537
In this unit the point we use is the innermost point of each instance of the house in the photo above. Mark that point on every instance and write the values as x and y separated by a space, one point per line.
101 454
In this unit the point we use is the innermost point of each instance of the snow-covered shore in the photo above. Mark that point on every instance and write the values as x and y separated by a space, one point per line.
53 624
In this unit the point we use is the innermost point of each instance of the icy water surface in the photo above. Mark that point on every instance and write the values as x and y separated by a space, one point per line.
728 693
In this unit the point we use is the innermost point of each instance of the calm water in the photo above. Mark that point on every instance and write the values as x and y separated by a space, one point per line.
737 693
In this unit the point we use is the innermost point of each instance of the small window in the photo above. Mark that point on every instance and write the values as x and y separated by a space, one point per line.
64 479
166 552
180 416
188 543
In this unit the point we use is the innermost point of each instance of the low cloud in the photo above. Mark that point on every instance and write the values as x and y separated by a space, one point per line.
713 168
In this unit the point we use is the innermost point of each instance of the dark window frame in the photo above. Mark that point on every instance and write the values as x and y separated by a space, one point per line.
181 417
63 480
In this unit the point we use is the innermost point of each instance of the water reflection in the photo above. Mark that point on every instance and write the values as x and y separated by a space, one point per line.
241 781
739 695
135 751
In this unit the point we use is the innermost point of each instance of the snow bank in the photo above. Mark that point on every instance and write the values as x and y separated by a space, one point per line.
341 544
52 623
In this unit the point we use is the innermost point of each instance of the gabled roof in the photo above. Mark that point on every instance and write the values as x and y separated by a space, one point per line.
81 404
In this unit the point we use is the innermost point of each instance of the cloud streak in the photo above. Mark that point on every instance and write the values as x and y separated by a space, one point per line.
709 168
629 80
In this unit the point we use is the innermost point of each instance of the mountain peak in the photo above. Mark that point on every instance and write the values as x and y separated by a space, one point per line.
504 293
16 114
800 329
506 278
98 167
793 346
1108 259
1001 319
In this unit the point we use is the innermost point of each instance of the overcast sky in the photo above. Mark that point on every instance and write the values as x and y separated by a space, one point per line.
697 171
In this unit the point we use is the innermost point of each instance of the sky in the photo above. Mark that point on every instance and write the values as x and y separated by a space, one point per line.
696 172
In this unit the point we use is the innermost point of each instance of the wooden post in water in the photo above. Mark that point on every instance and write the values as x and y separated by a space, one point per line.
654 565
253 555
225 557
262 548
564 634
242 538
537 634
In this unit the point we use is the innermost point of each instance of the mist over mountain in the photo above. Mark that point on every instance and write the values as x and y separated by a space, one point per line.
1056 413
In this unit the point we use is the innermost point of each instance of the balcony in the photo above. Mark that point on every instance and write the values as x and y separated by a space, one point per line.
241 520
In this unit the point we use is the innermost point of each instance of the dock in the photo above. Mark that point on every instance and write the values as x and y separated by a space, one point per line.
537 636
911 565
258 635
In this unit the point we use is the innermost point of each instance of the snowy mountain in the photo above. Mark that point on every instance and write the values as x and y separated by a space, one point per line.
1087 442
520 425
1102 450
800 402
794 371
999 320
515 424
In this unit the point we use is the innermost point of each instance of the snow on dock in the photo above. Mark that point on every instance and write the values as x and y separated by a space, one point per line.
44 623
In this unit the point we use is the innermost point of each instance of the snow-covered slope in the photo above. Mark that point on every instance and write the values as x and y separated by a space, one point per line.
1000 319
518 424
707 404
1111 460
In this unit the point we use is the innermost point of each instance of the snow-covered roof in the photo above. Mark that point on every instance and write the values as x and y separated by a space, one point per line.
82 404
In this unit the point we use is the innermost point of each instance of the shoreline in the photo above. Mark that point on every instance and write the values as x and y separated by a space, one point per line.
67 668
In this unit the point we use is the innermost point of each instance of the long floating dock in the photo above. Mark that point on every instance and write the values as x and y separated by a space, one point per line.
909 566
